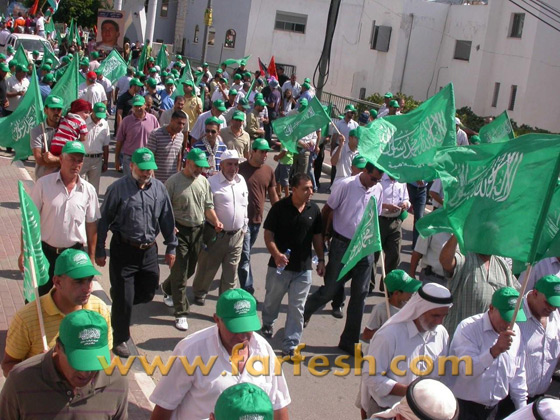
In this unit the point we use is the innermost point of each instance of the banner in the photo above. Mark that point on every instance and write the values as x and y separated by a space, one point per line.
231 61
498 130
161 59
54 4
113 67
48 54
111 30
20 57
272 68
404 145
187 75
67 86
366 239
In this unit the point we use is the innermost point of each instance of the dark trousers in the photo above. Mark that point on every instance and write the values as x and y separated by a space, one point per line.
390 232
417 196
469 410
244 271
318 164
190 243
51 256
134 275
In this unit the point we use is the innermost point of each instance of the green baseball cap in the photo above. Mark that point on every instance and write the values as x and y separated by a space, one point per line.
138 100
349 108
20 67
219 71
84 335
260 144
394 104
74 263
475 139
176 64
13 63
98 70
84 62
307 80
178 57
359 162
259 95
151 82
66 59
550 287
152 70
399 280
232 92
244 103
139 74
170 81
247 74
373 112
213 120
74 147
151 59
3 56
135 82
53 101
260 102
46 67
4 67
49 62
306 86
303 103
100 110
11 49
504 300
237 309
198 157
144 159
47 78
242 402
219 105
35 52
95 54
237 76
188 83
205 64
388 95
356 132
164 74
238 115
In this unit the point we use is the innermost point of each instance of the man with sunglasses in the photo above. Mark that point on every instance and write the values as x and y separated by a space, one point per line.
211 144
347 204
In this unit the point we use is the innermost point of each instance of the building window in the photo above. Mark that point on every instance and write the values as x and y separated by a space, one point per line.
380 38
516 25
462 50
512 96
496 94
196 31
211 35
293 22
164 8
230 39
288 68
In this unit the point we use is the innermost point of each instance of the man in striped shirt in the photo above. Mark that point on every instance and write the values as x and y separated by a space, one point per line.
211 143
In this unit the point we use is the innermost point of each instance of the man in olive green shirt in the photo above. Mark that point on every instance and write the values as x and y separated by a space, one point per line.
192 202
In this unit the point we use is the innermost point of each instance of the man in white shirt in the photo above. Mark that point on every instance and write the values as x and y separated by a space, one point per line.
344 153
218 108
293 85
40 25
16 86
231 198
498 359
414 332
94 92
97 146
384 109
231 346
427 250
343 127
542 268
462 138
123 84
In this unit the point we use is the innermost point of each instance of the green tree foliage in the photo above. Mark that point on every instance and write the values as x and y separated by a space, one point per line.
409 102
83 11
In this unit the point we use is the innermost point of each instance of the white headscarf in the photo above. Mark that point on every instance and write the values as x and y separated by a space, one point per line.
547 409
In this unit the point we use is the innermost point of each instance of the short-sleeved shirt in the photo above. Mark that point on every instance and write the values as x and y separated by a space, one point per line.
37 142
199 127
64 214
430 248
94 93
70 128
24 338
213 154
259 180
166 152
14 85
378 315
99 136
133 132
344 164
294 230
192 108
124 102
240 143
123 84
230 200
190 198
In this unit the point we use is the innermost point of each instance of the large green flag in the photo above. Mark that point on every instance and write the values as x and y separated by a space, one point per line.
143 58
67 86
20 56
31 238
231 61
48 54
498 130
294 127
187 75
366 239
161 59
49 26
113 67
28 114
492 202
404 145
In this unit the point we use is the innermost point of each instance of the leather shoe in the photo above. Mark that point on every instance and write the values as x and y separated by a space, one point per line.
121 350
337 313
267 331
348 348
199 301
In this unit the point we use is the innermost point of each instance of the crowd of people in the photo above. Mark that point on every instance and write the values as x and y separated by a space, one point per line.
193 153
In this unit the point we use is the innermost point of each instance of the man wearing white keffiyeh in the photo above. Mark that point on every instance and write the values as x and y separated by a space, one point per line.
417 336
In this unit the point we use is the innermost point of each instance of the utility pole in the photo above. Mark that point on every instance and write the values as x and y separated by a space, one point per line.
207 23
326 54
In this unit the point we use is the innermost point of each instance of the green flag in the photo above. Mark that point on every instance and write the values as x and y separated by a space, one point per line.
161 59
21 57
231 61
492 201
31 238
187 75
498 130
143 58
49 26
404 145
67 86
294 127
113 67
48 54
28 114
366 239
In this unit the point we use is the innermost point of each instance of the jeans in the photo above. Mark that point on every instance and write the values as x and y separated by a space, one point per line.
125 163
244 271
360 275
297 284
312 157
417 196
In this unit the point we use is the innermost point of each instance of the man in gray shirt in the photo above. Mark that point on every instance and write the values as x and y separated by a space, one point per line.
42 135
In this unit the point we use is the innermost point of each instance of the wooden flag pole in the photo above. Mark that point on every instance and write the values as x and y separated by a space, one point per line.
387 305
44 137
521 294
39 312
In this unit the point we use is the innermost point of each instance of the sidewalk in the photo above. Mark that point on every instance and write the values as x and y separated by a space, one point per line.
11 281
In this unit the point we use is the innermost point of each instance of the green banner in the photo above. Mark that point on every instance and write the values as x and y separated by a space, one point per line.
16 126
366 239
294 127
404 145
232 61
143 58
49 26
67 86
48 54
187 75
20 56
498 130
31 238
493 201
161 59
113 67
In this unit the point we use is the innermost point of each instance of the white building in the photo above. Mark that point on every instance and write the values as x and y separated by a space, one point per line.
497 55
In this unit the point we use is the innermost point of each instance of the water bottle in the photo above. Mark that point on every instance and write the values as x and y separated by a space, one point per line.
315 260
280 268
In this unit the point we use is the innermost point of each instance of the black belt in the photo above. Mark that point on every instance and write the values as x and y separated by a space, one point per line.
338 236
135 244
57 251
225 232
428 270
95 155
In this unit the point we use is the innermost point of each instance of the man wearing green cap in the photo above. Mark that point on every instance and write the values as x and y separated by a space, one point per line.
234 136
498 358
256 119
4 70
97 145
198 130
193 104
211 143
16 86
41 137
124 102
343 126
93 62
45 85
242 402
68 381
167 94
234 345
342 156
384 109
393 107
107 87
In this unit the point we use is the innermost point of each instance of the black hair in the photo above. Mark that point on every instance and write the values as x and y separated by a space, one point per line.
112 22
297 178
178 114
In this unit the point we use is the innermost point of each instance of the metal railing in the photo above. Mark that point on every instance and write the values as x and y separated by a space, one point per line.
339 103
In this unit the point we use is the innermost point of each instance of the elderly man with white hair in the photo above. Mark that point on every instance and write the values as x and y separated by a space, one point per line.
417 336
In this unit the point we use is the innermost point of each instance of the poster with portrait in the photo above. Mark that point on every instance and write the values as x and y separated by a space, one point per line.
110 30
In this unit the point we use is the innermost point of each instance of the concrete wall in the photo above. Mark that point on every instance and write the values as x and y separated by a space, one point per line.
164 28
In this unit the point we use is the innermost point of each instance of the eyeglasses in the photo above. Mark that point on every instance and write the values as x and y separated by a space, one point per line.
211 131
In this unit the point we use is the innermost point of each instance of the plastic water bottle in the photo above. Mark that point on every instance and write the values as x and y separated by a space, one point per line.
315 260
280 268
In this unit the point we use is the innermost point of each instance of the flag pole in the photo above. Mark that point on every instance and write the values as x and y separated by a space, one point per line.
387 306
521 294
44 137
39 311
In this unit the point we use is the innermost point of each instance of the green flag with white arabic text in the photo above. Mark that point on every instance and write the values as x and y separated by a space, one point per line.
67 86
498 130
294 127
113 67
366 239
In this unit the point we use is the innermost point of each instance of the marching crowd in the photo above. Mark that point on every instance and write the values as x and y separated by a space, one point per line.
193 153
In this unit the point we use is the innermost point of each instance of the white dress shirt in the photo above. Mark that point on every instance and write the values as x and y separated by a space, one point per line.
395 193
542 349
231 199
198 130
462 138
430 248
295 88
542 268
344 164
402 339
94 93
345 127
98 136
491 378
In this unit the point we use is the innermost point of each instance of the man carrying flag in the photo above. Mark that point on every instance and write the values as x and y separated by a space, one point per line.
347 205
42 135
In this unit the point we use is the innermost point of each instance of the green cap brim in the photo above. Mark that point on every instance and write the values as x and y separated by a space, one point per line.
201 163
243 324
86 360
144 166
507 315
101 114
412 286
82 272
554 300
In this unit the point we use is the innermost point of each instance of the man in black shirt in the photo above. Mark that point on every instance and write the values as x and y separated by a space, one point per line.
124 103
293 223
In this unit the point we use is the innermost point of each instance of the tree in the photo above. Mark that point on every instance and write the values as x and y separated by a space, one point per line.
83 11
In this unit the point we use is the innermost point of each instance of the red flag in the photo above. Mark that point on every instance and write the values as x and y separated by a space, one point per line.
263 69
33 9
272 69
